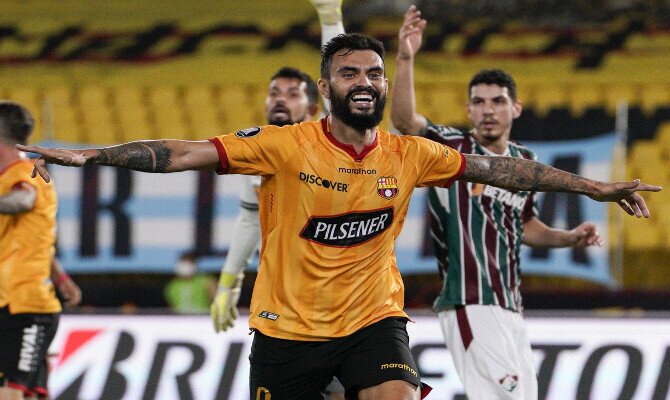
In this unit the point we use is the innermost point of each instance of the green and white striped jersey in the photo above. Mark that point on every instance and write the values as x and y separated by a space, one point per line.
477 231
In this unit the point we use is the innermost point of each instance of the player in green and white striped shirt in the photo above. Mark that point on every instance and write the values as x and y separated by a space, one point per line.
478 231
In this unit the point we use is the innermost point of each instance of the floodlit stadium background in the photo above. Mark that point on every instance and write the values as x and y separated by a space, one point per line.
100 73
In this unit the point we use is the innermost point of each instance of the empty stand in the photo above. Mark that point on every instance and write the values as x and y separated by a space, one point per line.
131 113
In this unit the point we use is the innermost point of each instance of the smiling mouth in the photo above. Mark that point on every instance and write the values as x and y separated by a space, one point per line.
363 100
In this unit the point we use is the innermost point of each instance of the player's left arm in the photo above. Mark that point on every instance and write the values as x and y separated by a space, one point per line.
66 287
537 234
19 200
521 174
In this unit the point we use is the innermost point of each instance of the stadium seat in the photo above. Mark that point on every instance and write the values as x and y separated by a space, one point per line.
443 104
614 94
166 113
63 110
650 161
130 107
545 97
654 96
201 107
583 96
240 106
99 125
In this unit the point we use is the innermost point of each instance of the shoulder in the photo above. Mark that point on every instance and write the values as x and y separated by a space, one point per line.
524 151
442 132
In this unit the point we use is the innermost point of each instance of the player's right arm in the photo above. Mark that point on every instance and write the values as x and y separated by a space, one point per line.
159 156
403 101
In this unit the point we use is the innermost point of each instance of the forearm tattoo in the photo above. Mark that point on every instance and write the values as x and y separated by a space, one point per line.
520 174
145 156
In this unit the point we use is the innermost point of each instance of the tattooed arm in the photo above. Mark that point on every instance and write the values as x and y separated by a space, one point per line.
147 156
519 174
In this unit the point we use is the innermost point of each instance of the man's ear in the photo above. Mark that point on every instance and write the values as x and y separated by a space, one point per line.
323 87
516 109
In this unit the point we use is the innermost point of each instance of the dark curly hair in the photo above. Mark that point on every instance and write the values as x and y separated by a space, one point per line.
351 42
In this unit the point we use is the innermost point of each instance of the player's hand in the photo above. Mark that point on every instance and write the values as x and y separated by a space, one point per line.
224 307
71 158
70 293
586 234
330 11
410 34
626 196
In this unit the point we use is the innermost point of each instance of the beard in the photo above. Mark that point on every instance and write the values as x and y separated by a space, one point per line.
273 119
339 107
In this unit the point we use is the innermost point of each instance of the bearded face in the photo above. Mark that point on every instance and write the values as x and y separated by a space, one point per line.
361 108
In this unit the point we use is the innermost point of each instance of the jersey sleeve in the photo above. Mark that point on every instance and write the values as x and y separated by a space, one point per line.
440 133
260 150
439 165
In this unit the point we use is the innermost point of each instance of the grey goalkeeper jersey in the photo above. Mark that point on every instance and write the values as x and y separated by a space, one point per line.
477 232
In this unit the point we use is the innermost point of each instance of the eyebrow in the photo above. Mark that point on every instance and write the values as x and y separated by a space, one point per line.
348 68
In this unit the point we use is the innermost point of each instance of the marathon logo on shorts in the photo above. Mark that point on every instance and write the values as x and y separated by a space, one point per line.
400 366
349 229
387 187
249 132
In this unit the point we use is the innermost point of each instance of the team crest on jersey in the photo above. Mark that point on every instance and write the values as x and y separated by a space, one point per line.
249 132
387 187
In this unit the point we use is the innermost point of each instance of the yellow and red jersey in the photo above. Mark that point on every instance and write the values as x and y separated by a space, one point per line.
329 219
27 245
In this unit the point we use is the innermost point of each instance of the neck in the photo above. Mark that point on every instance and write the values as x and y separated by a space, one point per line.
497 145
351 136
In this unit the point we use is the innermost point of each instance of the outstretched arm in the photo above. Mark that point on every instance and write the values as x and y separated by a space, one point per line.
159 156
537 234
403 101
520 174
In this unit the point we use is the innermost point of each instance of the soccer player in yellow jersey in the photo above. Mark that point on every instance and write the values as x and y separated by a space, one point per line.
29 308
334 195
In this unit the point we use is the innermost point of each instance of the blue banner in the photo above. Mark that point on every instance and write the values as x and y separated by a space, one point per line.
591 158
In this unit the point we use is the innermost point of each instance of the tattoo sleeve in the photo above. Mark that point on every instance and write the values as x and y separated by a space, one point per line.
145 156
520 174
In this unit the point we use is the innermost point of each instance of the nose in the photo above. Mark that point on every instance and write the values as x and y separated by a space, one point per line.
363 81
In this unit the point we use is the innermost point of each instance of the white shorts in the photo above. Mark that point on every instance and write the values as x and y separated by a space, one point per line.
491 352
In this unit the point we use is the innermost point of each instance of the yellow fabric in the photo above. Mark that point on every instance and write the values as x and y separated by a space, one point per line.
27 246
318 287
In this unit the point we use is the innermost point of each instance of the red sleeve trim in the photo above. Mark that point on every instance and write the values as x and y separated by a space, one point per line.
223 156
459 173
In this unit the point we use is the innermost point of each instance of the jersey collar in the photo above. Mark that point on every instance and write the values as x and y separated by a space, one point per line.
349 149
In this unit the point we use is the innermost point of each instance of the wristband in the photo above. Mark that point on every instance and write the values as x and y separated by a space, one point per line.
62 278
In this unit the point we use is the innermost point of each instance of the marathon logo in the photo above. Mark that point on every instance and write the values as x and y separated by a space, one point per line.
357 171
506 197
349 229
324 183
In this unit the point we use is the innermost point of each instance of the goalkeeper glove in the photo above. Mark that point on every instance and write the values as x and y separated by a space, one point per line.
224 307
330 11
